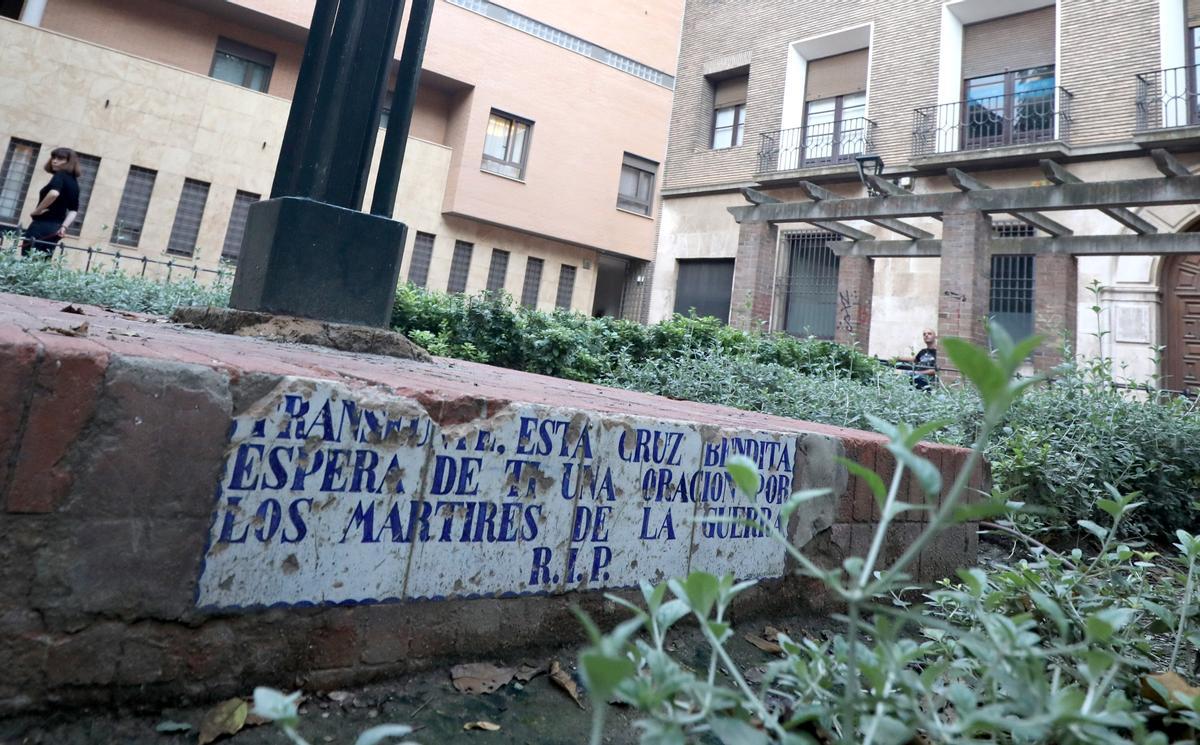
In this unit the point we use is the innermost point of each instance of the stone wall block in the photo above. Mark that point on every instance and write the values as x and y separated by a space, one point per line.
88 657
18 365
156 442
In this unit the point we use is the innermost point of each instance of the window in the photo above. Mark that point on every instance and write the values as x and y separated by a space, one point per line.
636 191
729 126
135 201
811 293
188 215
1009 108
533 282
460 266
237 224
497 271
19 164
566 287
242 64
89 166
506 145
418 269
729 109
835 129
1010 297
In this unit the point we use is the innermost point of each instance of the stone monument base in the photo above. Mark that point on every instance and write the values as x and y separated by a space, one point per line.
290 329
314 260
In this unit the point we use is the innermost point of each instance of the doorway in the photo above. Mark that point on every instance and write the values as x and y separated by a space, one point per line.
1181 322
610 286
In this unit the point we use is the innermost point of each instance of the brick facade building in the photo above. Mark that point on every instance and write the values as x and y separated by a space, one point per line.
991 88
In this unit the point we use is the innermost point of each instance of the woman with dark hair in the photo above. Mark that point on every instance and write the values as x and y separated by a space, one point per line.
57 206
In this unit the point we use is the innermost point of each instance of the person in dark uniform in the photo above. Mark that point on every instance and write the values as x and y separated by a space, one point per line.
58 203
923 365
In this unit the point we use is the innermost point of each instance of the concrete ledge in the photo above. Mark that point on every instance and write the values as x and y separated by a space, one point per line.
1005 155
151 547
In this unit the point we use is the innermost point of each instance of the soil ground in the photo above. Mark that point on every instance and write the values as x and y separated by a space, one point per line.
535 713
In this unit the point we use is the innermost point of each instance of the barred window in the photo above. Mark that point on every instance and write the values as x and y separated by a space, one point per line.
1010 297
418 269
460 266
135 201
237 224
89 166
566 287
812 284
533 282
15 176
188 215
498 270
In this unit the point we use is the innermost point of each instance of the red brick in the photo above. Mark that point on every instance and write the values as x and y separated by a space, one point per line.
859 499
68 382
856 287
885 466
18 361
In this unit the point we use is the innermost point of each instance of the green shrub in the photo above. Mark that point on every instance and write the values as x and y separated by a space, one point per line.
109 287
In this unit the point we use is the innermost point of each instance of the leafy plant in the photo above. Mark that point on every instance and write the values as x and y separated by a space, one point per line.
1052 649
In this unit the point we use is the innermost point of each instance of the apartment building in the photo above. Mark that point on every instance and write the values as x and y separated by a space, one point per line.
532 163
776 103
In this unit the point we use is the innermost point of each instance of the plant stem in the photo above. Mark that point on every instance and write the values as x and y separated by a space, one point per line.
1188 588
881 529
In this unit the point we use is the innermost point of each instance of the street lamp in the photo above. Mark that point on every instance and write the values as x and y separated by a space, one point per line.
869 165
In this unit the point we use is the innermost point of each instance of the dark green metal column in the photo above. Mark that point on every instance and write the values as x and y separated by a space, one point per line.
391 160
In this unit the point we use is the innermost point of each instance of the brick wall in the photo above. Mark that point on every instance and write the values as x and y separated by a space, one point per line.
903 75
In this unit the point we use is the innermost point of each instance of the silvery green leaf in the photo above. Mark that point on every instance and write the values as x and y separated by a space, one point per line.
376 735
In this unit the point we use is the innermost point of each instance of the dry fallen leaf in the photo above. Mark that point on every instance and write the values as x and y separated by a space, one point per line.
226 718
73 309
486 726
480 677
1159 688
337 696
763 644
527 672
565 682
80 330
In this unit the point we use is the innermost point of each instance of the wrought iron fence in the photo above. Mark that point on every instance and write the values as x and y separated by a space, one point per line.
1021 118
1167 98
138 264
828 143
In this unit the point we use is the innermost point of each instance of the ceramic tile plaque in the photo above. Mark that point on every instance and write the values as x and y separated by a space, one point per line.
339 495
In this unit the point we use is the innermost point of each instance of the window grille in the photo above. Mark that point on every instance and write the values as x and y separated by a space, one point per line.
15 176
418 269
497 271
533 282
188 215
1010 297
89 166
810 304
460 266
566 287
135 201
237 224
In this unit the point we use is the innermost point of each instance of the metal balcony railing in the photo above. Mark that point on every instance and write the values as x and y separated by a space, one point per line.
830 143
1167 98
1022 118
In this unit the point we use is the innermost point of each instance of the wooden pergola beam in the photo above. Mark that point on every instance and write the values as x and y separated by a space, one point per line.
821 194
1056 174
1131 193
1168 165
754 196
966 182
1071 245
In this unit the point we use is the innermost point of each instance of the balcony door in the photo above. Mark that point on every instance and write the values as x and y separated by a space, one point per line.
1181 322
835 129
1009 108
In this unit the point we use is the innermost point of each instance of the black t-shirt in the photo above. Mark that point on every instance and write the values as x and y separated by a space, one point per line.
68 197
926 359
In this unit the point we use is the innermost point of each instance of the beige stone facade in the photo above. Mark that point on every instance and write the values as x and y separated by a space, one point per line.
128 81
1097 119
